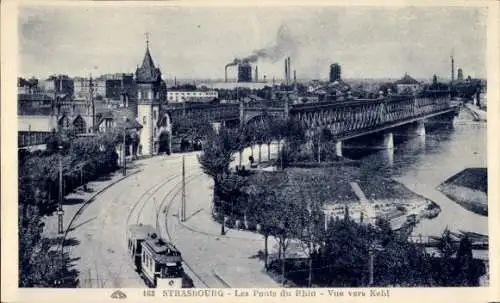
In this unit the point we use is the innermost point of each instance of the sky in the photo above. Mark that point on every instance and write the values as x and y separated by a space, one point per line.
196 43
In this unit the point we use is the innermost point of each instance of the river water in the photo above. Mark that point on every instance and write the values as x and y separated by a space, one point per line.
423 163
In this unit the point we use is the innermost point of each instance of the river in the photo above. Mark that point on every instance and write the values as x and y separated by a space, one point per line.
423 163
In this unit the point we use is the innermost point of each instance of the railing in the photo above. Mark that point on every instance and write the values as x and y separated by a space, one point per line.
25 138
351 116
339 117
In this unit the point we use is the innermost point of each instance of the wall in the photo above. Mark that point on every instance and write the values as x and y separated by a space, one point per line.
36 123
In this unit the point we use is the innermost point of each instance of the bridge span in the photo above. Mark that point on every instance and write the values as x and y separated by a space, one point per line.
344 119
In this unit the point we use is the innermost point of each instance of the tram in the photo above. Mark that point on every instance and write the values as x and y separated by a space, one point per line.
158 262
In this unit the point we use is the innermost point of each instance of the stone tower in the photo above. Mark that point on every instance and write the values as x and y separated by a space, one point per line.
148 79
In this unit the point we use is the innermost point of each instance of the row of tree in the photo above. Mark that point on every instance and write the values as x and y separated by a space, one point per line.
82 160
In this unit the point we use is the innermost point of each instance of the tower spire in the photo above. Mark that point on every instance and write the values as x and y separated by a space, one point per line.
147 39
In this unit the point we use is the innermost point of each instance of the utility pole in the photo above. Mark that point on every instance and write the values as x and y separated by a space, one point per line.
183 201
60 211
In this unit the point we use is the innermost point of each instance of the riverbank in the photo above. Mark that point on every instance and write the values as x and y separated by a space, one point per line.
478 113
469 189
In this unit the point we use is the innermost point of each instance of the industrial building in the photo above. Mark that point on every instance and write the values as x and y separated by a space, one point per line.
244 72
335 72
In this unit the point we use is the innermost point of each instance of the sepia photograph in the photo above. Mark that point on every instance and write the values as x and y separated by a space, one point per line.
165 147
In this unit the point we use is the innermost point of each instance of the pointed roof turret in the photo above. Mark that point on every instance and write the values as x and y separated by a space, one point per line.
147 72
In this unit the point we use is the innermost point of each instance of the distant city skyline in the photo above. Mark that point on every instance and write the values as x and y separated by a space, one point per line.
196 43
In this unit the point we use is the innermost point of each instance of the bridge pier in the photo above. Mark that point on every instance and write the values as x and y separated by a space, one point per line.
420 128
338 148
388 140
388 156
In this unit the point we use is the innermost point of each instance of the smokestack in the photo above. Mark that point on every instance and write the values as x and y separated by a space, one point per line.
452 69
294 76
286 70
175 81
256 74
289 71
225 74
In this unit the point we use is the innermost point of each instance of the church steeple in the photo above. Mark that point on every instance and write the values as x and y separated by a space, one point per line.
147 72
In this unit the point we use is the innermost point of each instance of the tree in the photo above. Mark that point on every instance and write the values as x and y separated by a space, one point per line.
261 204
278 132
345 253
260 136
385 87
241 142
39 266
465 265
217 154
446 249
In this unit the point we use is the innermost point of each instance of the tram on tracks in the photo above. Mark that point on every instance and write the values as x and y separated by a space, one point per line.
157 261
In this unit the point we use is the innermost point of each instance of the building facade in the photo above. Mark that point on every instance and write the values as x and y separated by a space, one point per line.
407 85
60 84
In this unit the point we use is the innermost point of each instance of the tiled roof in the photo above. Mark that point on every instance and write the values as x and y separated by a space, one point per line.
118 115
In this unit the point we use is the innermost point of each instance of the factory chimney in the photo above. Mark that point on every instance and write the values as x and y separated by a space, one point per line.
286 70
452 69
225 73
288 80
294 76
256 74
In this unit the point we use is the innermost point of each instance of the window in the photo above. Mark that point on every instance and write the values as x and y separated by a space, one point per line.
150 95
144 120
154 132
139 94
154 114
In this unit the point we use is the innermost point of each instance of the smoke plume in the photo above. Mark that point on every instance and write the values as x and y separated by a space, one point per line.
285 45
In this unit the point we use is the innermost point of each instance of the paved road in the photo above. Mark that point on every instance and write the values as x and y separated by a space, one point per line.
153 197
101 228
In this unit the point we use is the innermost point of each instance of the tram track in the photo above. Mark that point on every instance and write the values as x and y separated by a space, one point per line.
160 184
139 206
167 232
115 277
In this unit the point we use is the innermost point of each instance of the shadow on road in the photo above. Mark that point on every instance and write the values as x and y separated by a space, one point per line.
72 201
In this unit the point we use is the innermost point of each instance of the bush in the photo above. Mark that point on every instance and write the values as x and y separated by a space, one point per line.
401 208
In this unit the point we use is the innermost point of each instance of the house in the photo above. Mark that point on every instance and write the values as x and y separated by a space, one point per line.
407 85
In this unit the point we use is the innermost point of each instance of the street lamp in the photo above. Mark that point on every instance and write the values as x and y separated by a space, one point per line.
60 211
123 147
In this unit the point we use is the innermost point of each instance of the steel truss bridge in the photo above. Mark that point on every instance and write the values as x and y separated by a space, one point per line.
345 120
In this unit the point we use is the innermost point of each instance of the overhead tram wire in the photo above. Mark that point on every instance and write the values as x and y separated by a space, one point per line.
169 237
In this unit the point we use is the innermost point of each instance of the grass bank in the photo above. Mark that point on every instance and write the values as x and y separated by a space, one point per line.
330 185
468 188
